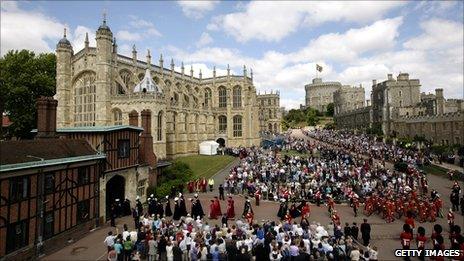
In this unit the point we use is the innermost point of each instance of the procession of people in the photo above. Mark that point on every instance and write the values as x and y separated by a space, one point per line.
329 168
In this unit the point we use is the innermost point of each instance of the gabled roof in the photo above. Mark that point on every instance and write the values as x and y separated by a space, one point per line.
147 84
37 153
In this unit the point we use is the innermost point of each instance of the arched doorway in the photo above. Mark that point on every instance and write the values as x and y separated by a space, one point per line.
222 142
115 189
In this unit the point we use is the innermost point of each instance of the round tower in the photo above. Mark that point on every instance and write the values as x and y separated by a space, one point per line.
64 53
104 39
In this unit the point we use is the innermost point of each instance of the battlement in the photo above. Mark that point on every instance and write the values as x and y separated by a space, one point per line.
452 116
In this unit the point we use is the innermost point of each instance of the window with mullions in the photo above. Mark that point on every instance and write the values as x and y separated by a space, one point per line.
237 126
17 236
83 176
123 148
83 211
237 97
159 126
19 189
222 97
49 183
222 123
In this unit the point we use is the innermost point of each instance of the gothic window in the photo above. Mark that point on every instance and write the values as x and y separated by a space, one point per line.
159 126
269 102
222 124
84 100
141 75
269 127
117 116
237 120
400 93
207 101
222 97
49 183
237 97
270 113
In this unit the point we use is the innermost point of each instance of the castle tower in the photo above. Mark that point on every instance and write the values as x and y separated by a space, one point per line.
440 100
104 38
64 52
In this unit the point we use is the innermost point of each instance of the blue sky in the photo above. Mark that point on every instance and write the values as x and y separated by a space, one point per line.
355 42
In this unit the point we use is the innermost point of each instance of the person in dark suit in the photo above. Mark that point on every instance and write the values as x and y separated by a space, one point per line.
354 231
366 232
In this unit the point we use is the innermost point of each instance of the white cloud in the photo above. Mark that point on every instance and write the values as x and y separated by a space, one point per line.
196 9
27 29
77 37
438 34
18 33
381 35
128 36
273 21
205 39
145 26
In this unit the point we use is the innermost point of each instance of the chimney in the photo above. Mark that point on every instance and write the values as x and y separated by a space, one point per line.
390 77
147 155
46 117
134 118
374 82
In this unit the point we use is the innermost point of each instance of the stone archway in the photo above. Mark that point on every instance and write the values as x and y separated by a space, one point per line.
222 142
115 189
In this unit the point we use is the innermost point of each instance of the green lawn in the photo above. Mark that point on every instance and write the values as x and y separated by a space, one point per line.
206 166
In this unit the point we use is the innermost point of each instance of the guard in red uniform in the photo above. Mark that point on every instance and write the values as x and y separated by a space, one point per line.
330 205
406 237
249 217
421 239
305 210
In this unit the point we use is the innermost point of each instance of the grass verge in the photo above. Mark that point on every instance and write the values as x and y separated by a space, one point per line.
206 166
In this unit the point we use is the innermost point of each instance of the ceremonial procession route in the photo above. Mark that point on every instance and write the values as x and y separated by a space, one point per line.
384 235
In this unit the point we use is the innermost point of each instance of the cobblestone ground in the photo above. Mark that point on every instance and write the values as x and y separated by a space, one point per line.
384 236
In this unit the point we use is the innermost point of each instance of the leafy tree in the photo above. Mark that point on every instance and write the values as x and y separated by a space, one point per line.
24 77
312 117
330 110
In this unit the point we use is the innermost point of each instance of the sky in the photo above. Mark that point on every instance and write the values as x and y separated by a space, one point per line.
354 42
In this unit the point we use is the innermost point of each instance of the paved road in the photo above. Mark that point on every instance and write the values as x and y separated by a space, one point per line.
384 235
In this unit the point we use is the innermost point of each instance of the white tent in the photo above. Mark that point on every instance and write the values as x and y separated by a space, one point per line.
208 147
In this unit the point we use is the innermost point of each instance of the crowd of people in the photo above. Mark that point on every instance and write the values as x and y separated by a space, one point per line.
324 171
189 239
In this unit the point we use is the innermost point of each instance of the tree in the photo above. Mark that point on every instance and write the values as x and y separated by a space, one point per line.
330 110
312 117
24 77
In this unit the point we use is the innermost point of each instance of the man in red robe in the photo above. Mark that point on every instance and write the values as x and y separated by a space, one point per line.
212 210
257 196
203 185
217 207
305 210
230 208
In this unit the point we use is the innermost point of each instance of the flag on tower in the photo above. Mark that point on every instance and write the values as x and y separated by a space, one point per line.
318 68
